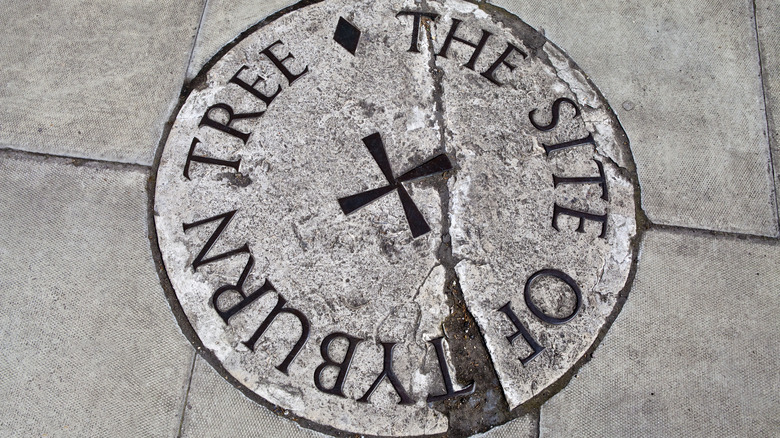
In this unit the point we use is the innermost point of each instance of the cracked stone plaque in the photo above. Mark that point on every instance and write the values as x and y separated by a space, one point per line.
394 217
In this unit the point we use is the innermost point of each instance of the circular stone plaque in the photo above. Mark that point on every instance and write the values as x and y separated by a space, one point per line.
393 217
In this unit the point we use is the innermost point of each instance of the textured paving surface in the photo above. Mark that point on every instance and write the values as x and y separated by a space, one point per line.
91 348
684 79
767 17
216 408
223 21
527 426
86 80
694 351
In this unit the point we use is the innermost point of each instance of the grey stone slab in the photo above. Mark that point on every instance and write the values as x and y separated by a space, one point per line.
684 80
216 408
88 79
89 345
223 21
526 426
694 351
767 17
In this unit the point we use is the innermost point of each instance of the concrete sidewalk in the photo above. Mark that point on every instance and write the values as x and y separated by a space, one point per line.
92 348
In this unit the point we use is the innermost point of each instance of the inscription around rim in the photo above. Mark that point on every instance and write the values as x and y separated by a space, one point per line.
322 295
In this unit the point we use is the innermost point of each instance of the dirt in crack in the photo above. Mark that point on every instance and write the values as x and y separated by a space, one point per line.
487 406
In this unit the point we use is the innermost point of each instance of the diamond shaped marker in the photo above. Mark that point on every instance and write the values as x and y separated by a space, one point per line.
347 35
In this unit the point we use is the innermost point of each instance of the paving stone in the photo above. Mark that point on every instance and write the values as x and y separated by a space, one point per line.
767 17
694 351
526 426
684 80
84 79
216 408
290 132
224 20
90 347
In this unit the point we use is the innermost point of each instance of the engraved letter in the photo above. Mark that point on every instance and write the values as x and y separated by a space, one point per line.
239 288
521 331
556 114
490 72
224 219
569 144
387 371
279 63
477 47
343 366
415 47
225 127
558 210
600 180
537 311
280 308
445 374
251 87
201 159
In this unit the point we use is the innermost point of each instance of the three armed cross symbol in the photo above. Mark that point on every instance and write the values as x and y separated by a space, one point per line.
376 147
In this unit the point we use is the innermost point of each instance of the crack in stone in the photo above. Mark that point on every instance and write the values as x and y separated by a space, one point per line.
417 323
473 362
572 68
425 280
622 170
382 322
185 400
418 319
301 242
444 253
561 57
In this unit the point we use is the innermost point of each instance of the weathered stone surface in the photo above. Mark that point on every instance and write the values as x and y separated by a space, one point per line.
502 206
216 408
89 345
331 267
254 206
767 15
693 352
684 79
83 79
222 21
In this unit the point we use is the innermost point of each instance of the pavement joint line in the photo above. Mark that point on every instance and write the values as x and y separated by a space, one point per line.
195 40
187 394
713 233
538 415
767 116
73 160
